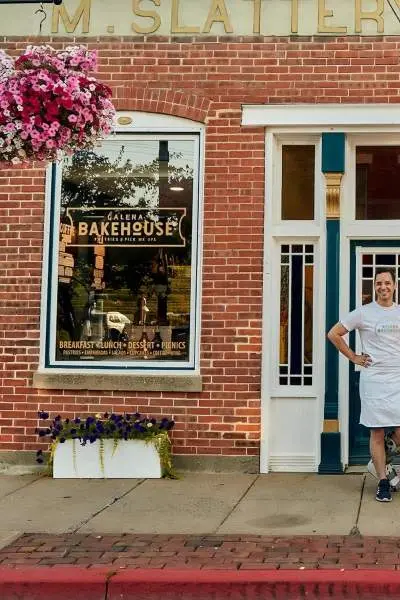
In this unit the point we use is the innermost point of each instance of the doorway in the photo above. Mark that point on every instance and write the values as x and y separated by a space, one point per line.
366 257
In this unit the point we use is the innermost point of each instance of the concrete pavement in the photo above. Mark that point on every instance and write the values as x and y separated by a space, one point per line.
198 503
270 528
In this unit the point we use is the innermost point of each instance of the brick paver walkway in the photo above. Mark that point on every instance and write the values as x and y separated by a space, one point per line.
236 552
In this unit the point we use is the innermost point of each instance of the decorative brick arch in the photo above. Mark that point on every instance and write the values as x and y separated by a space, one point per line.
169 102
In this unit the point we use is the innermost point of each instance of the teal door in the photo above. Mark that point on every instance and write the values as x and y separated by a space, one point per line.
365 257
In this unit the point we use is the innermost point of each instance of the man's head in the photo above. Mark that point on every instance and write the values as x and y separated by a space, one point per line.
385 284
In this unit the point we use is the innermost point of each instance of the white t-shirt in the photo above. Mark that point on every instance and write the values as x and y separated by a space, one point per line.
379 329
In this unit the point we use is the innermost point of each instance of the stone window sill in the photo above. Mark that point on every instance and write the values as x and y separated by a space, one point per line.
117 382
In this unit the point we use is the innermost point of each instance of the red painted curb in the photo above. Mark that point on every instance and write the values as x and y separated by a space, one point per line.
370 576
66 582
253 585
36 583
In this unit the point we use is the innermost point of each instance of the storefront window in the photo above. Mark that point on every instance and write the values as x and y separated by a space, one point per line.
127 254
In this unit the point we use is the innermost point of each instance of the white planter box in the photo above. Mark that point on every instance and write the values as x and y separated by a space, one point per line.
130 459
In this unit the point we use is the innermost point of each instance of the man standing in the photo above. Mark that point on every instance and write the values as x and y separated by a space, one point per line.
378 324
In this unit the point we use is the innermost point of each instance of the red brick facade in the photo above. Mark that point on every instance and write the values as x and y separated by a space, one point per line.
206 80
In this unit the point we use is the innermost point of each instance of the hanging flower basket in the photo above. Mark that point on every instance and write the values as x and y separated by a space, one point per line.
49 105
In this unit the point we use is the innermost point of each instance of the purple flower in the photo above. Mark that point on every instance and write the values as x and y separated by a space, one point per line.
43 415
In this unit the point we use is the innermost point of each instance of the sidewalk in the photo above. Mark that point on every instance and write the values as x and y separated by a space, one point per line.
239 530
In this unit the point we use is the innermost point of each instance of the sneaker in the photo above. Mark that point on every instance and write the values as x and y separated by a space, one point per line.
383 491
391 474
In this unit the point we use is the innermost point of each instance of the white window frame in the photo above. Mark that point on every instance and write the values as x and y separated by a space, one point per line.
139 126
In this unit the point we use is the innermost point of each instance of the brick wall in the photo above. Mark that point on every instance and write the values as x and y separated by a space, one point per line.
205 80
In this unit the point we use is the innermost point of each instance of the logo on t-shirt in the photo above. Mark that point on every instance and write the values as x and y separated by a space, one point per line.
388 327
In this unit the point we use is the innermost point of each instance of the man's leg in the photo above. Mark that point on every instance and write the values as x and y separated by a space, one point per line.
377 448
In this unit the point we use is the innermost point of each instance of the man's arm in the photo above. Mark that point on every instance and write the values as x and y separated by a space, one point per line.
335 335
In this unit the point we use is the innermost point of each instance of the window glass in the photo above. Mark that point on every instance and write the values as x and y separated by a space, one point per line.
377 182
298 182
372 261
126 266
296 315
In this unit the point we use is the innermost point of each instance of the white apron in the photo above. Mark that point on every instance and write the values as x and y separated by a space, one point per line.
380 397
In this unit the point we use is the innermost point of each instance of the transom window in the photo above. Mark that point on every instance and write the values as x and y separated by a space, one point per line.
377 182
298 182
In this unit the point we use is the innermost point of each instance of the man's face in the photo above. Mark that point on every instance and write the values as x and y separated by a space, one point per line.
384 287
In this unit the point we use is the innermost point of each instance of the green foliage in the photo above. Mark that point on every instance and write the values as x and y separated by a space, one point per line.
109 426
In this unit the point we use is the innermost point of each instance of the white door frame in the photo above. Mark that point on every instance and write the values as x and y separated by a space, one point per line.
353 119
352 230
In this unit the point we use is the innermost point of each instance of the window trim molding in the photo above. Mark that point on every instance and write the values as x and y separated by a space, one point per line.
143 126
321 116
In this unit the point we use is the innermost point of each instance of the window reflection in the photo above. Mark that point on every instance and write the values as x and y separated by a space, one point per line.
125 252
377 182
298 172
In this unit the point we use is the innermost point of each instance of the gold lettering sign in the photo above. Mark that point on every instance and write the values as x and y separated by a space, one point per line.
204 17
218 14
376 15
151 14
125 227
295 17
82 12
257 16
324 14
175 26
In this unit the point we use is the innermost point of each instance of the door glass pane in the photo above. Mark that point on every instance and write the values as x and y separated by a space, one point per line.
298 172
375 260
377 182
296 315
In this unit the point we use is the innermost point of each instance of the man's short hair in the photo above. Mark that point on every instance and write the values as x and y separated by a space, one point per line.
389 270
